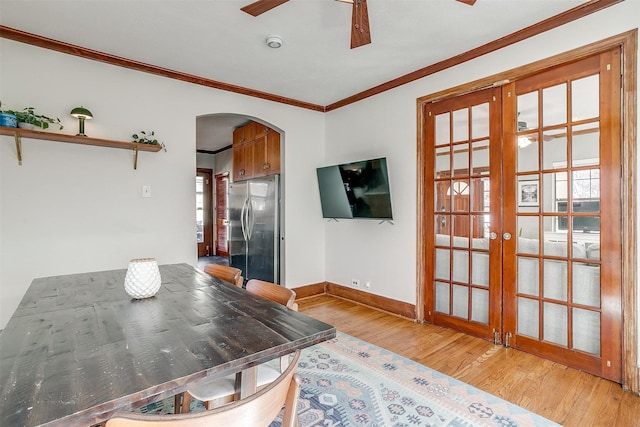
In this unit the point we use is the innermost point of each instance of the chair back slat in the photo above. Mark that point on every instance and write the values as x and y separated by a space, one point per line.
228 274
273 292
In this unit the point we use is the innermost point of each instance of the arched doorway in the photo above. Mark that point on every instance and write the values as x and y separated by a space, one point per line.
242 149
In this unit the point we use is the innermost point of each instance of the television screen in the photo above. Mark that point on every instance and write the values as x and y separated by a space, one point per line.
355 190
585 224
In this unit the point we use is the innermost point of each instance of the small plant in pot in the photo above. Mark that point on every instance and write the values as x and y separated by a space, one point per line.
29 119
7 118
147 138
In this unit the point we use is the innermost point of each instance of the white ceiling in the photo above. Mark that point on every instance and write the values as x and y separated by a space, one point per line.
216 40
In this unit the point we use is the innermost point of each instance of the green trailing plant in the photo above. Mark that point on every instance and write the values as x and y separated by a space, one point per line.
29 115
147 138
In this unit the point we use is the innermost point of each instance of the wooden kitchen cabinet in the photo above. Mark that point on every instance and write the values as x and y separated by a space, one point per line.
261 130
244 133
243 161
267 154
256 151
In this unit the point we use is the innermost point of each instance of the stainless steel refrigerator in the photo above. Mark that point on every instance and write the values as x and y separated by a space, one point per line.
254 241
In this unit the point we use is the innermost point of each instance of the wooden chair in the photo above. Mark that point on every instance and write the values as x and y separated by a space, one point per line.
257 410
281 295
228 274
273 292
219 391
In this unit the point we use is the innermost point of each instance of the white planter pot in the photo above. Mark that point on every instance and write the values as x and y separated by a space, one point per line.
28 126
143 278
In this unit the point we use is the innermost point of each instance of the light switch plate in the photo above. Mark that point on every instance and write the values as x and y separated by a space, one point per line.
146 191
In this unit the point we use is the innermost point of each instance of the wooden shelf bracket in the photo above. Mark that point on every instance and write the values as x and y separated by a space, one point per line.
18 148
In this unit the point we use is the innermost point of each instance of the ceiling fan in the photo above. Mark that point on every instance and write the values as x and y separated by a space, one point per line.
360 31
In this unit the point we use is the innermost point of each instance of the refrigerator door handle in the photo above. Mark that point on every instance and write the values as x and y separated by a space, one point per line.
251 219
243 220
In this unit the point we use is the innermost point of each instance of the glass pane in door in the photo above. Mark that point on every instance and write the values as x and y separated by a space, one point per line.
528 323
461 125
461 160
554 105
554 148
587 338
585 98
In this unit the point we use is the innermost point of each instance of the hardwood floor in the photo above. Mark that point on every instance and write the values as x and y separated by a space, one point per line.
564 395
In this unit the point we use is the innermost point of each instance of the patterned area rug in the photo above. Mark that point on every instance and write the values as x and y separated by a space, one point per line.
349 382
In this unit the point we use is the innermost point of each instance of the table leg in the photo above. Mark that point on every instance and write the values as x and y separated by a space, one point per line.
248 381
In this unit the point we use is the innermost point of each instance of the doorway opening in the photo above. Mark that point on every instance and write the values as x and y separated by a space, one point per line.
238 150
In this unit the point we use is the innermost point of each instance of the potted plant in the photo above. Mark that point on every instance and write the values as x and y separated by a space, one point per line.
7 118
147 138
29 119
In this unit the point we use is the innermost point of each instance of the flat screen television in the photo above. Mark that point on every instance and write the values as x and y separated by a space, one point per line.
585 224
355 190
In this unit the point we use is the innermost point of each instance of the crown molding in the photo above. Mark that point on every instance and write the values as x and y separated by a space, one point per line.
533 30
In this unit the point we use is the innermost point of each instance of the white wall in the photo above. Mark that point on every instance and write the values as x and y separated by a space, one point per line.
383 254
72 208
385 125
224 162
206 161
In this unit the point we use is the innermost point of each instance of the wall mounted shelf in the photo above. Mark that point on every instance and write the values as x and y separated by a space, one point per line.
18 133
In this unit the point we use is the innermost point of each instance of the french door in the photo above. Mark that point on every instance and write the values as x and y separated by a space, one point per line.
466 286
526 214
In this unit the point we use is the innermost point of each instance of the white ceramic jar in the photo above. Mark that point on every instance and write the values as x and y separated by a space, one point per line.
143 278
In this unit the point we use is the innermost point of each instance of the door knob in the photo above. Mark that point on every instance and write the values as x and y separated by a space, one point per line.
493 235
507 236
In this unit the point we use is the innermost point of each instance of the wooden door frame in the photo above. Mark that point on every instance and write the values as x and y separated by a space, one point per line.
219 177
628 44
207 207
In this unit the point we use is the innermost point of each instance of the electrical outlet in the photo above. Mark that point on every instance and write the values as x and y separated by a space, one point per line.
355 282
367 284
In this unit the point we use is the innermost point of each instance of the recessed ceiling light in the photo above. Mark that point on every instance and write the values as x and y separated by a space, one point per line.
274 42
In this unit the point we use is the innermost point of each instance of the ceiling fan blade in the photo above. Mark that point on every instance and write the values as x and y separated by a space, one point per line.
469 2
360 31
261 6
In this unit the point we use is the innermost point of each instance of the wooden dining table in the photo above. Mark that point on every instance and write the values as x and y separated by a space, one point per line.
78 348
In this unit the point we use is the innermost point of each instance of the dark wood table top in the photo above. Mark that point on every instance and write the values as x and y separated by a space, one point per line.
78 348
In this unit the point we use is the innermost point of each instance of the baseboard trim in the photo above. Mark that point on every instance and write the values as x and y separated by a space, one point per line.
309 291
389 305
